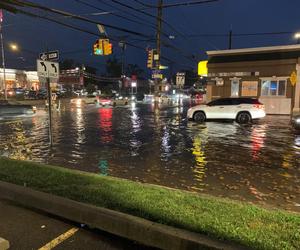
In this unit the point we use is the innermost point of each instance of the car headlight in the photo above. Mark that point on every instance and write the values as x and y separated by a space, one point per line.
298 120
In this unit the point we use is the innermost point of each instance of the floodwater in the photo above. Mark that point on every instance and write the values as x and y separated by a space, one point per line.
258 163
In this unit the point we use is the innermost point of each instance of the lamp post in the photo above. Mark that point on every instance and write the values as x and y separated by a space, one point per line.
297 36
3 56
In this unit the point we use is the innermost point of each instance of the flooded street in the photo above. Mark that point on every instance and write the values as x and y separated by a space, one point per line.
258 163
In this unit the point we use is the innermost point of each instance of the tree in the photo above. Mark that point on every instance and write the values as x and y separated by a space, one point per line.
113 67
68 64
134 69
90 88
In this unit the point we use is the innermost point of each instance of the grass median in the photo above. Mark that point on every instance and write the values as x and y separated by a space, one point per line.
223 219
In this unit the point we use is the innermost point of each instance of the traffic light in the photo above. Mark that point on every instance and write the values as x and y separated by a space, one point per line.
107 47
98 48
150 59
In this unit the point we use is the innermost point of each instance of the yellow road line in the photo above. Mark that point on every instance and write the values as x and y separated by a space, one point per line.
59 239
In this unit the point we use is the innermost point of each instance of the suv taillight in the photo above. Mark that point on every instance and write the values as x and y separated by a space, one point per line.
259 106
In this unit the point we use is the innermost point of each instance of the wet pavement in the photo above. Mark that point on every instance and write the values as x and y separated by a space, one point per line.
258 163
47 232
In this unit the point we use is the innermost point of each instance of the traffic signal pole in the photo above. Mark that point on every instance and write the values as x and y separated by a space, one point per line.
158 37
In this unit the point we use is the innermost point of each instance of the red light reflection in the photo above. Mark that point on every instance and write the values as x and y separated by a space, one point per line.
106 124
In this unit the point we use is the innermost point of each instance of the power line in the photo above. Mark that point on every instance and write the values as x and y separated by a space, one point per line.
67 14
188 3
121 10
16 10
114 14
165 43
176 4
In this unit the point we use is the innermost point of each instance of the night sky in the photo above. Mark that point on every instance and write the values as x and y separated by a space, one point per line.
244 16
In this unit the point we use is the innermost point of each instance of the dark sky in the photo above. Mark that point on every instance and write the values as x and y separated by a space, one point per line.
244 16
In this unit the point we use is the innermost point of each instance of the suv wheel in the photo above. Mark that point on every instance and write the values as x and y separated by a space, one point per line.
243 118
199 117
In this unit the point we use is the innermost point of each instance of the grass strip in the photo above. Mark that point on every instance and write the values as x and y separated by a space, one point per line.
249 225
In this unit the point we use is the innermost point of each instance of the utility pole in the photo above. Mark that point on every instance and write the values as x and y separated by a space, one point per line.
3 56
158 37
122 45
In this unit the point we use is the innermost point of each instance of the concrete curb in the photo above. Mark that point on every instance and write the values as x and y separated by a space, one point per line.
4 244
124 225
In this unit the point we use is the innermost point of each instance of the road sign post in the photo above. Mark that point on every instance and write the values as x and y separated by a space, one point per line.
48 70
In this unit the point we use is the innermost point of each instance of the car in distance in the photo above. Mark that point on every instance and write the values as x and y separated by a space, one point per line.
10 108
89 99
242 110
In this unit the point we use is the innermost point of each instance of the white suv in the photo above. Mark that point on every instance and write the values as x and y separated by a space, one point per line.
243 110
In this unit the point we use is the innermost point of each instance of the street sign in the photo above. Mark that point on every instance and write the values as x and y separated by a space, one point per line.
180 79
157 76
47 69
48 56
293 78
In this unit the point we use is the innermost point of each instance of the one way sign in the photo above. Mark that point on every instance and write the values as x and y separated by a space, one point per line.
47 69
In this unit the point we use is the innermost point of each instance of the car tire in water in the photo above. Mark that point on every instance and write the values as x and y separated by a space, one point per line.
199 117
243 118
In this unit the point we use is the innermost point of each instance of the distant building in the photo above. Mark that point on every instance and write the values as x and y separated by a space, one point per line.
264 73
19 79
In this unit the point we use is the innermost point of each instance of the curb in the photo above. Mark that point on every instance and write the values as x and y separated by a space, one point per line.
4 244
117 223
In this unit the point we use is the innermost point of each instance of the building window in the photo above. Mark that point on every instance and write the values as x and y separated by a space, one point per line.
249 88
235 87
273 87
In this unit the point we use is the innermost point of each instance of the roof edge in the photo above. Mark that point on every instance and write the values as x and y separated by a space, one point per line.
253 50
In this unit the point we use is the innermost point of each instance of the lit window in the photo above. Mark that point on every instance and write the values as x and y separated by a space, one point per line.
235 87
273 87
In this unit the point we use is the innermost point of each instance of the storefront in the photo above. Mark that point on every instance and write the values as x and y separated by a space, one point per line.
264 73
19 79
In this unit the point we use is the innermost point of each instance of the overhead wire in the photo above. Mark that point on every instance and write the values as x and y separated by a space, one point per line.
68 14
115 14
83 30
164 43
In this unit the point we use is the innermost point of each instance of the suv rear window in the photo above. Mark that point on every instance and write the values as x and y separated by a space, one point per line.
248 101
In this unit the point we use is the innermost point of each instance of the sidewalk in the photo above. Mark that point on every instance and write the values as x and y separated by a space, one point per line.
27 229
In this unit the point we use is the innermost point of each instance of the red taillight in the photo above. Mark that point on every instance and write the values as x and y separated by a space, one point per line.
259 106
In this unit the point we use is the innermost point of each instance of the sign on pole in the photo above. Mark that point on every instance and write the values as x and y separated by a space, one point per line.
293 78
48 56
48 69
180 79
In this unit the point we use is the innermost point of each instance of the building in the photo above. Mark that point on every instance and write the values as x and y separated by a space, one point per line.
19 79
263 72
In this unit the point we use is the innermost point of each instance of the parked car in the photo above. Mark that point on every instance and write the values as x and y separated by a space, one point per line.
42 94
242 110
296 122
31 94
9 108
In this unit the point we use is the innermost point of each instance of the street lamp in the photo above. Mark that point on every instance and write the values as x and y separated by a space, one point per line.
14 46
297 36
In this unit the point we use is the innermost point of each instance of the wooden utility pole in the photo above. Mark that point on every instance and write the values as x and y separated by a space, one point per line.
158 38
158 31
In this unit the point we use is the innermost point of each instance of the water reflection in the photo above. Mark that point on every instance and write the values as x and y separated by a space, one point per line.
199 169
135 142
80 126
258 135
165 144
105 122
